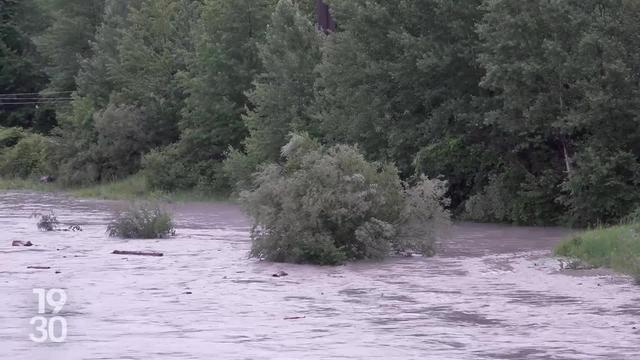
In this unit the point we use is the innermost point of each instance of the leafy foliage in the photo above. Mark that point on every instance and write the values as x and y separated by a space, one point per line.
528 109
226 37
604 187
67 39
289 55
329 205
142 222
47 222
10 136
28 157
20 65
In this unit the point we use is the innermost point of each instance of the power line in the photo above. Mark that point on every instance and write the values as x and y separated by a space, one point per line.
33 98
36 102
37 93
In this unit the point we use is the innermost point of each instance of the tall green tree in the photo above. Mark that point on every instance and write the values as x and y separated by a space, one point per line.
216 79
400 79
130 98
216 82
20 66
565 76
152 52
67 40
283 93
96 78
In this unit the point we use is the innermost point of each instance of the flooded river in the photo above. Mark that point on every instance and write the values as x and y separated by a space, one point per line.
493 292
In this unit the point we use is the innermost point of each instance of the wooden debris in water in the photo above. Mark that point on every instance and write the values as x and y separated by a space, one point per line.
137 253
21 243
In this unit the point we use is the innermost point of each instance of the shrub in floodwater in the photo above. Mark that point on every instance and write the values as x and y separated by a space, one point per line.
47 222
330 205
142 222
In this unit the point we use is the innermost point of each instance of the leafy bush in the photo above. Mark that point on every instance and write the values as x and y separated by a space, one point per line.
47 222
327 206
122 139
75 152
165 171
603 187
142 222
100 146
239 168
10 136
28 157
172 169
518 197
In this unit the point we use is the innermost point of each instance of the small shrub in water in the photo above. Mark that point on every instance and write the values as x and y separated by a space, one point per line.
47 222
327 206
142 222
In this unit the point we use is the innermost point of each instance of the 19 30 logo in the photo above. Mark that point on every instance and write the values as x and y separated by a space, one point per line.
52 328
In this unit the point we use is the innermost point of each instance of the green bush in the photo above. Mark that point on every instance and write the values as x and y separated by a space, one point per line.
603 187
327 206
516 197
75 151
171 169
47 222
10 136
122 140
28 157
142 222
100 146
165 171
239 168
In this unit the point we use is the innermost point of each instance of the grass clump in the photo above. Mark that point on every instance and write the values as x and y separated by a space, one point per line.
330 205
616 247
142 222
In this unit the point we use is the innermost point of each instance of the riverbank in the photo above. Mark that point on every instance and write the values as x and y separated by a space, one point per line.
616 247
132 188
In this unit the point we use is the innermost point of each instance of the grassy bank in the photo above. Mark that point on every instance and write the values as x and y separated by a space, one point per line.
131 188
616 247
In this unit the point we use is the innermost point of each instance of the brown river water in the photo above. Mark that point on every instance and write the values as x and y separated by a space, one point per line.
492 292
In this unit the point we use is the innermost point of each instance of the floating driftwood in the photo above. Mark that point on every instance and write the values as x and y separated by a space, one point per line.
21 243
280 274
137 253
39 267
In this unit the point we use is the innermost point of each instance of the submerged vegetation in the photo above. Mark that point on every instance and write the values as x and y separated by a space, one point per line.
528 110
47 222
329 205
142 222
616 247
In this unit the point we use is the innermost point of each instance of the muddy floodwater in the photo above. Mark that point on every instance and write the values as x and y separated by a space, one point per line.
493 292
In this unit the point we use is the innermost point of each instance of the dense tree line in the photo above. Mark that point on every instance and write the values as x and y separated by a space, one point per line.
530 110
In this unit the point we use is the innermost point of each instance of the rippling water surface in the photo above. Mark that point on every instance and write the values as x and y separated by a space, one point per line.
493 292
